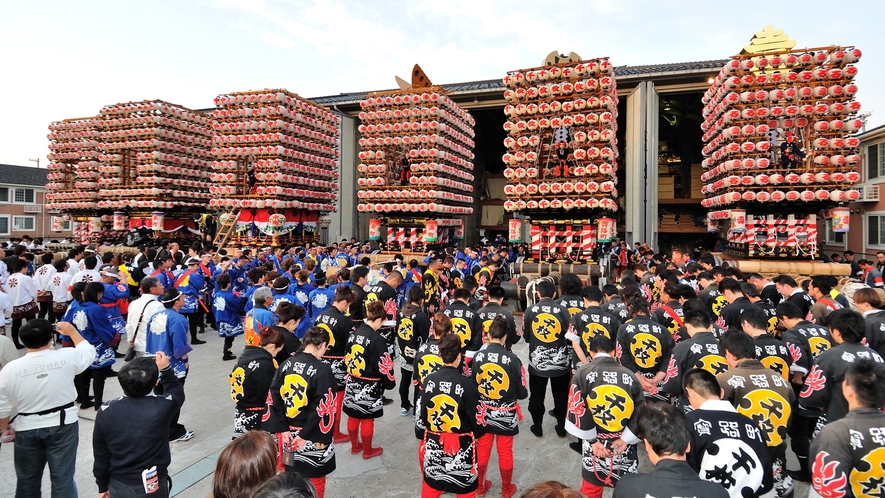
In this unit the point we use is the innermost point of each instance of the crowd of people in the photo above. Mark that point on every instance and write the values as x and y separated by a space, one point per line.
715 373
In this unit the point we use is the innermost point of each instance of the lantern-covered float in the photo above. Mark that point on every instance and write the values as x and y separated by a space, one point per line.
154 167
73 176
416 165
562 153
781 146
275 167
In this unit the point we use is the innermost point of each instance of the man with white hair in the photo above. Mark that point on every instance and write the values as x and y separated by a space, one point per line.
259 316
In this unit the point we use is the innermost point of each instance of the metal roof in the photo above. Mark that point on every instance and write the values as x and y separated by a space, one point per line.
624 72
23 175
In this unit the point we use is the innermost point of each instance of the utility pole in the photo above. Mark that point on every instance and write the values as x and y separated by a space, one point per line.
35 161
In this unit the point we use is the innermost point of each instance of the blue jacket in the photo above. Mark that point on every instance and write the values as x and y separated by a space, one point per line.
165 277
169 333
302 293
92 321
319 301
238 280
282 297
248 295
113 293
277 263
227 307
191 283
110 302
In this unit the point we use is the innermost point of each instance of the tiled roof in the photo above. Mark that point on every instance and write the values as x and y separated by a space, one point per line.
22 175
676 67
495 84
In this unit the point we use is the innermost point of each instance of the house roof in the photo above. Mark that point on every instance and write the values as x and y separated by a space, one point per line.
872 134
623 72
23 175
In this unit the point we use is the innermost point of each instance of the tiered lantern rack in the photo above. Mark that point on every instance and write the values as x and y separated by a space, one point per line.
582 98
808 93
416 166
73 173
154 165
275 165
562 156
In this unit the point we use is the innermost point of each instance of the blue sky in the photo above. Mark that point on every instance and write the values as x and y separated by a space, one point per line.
66 59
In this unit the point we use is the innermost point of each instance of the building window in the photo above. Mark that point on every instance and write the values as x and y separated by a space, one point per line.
4 194
875 161
66 226
4 225
875 230
24 195
23 223
834 238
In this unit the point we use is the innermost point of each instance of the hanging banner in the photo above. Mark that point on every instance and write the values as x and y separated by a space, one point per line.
431 231
459 231
58 224
374 229
119 221
712 224
95 225
841 220
514 231
607 230
738 220
157 220
296 223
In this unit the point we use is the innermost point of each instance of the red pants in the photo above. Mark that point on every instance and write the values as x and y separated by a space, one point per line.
505 450
320 484
428 492
365 427
590 490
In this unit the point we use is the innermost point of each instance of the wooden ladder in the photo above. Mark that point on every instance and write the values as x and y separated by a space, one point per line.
543 172
226 230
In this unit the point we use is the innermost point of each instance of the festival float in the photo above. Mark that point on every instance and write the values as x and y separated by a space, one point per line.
416 165
561 159
73 176
154 168
138 165
275 167
781 146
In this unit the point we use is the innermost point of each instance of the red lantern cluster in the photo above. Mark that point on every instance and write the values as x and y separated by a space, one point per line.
756 104
416 154
73 168
581 101
274 149
154 155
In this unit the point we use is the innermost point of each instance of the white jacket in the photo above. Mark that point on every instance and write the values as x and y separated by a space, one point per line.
43 277
21 289
150 305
